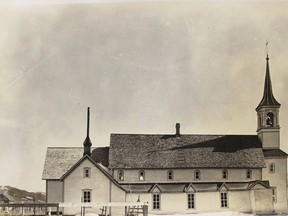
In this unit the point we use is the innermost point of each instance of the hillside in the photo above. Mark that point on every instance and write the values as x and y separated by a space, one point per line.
18 195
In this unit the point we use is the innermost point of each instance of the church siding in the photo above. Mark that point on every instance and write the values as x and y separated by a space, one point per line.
75 183
187 175
54 191
277 179
176 203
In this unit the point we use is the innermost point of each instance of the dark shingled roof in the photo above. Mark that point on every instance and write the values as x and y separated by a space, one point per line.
185 151
101 155
60 159
274 153
268 97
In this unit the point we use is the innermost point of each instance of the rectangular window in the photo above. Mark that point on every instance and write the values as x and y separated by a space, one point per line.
86 196
224 201
191 200
86 172
156 201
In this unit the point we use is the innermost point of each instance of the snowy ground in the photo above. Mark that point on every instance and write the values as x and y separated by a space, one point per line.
230 213
226 213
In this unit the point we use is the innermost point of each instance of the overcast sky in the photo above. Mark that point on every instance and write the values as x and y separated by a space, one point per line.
140 66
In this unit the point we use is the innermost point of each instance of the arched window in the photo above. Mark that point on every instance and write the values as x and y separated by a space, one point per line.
120 175
271 167
224 174
248 174
270 119
141 175
170 175
197 175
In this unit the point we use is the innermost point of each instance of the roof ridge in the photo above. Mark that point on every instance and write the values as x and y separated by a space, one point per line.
72 147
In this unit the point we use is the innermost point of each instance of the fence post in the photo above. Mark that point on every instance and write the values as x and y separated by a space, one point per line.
57 209
145 210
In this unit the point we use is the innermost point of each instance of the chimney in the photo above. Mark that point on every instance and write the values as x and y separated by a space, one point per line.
87 142
177 126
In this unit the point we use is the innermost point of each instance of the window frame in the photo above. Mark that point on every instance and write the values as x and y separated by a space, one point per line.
170 175
191 201
139 175
197 175
224 199
226 173
86 170
89 193
249 174
119 176
272 165
156 201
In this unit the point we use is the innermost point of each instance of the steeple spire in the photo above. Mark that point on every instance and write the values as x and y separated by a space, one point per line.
268 97
87 142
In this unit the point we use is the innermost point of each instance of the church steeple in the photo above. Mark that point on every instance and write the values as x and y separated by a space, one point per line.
268 115
87 142
268 97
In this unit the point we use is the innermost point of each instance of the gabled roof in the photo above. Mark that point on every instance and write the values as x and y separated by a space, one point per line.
155 188
189 188
60 159
185 151
223 187
268 97
87 157
264 184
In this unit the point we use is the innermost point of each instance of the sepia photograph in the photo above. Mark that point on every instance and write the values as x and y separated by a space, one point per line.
142 107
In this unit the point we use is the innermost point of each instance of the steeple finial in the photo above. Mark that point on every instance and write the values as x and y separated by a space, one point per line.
267 48
87 142
268 97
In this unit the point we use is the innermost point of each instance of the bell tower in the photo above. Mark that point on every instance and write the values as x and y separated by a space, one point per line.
268 129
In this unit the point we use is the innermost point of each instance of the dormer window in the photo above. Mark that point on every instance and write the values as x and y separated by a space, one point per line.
224 174
141 175
120 175
170 175
86 172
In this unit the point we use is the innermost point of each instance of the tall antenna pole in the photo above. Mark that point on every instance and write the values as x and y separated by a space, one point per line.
87 142
88 120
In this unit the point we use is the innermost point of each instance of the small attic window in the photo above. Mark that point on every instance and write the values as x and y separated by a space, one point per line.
120 175
86 172
141 175
197 175
271 168
224 174
170 175
248 174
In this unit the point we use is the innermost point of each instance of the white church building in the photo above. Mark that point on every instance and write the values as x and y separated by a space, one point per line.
177 173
